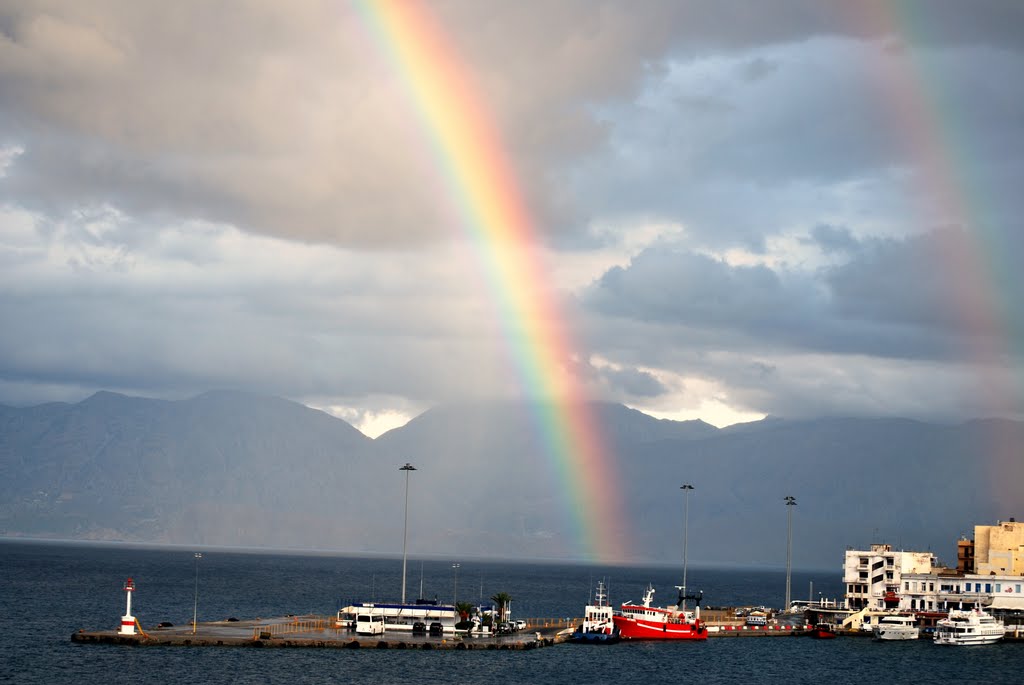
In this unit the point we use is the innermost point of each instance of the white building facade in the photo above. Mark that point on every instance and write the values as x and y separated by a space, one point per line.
941 592
874 577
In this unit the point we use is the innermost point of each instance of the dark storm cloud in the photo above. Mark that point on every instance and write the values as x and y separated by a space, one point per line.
890 299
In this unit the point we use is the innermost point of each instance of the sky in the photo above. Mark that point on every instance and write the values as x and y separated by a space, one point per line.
741 209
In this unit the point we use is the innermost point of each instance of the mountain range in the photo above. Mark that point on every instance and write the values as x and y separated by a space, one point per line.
243 470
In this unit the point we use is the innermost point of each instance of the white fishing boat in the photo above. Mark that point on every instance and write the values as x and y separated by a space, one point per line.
896 627
974 627
598 626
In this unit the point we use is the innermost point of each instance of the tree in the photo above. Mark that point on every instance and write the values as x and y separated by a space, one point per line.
503 600
464 610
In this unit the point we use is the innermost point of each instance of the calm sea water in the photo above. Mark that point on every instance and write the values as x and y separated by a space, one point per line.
49 590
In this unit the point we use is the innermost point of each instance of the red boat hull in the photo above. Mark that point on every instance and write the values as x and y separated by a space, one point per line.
639 629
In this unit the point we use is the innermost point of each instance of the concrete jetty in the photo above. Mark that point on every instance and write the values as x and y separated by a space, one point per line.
313 631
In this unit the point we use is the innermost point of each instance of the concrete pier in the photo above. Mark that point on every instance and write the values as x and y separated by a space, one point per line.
310 631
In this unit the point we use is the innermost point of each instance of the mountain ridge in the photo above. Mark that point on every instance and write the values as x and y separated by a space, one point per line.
239 469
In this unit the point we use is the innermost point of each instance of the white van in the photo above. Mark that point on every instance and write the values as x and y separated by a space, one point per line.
367 624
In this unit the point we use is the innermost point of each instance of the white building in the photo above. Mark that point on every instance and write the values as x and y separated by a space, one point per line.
874 577
940 592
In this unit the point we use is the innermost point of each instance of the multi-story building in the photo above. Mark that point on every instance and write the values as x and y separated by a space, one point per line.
999 549
874 577
1002 595
965 555
989 575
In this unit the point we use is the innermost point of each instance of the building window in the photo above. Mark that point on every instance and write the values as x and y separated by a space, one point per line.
999 587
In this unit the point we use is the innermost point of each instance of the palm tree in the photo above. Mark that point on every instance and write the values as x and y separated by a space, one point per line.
464 610
502 599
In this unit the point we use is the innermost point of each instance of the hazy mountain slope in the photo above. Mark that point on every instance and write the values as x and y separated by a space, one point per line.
223 468
238 469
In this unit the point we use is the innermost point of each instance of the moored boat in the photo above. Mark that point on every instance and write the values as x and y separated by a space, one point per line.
644 622
896 627
974 627
757 619
825 631
598 626
365 616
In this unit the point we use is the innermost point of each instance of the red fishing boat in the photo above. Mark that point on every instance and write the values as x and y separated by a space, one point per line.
644 622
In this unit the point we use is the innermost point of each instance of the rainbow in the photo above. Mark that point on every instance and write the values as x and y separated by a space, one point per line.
496 220
976 255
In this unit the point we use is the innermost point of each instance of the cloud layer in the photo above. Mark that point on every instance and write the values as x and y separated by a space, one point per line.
792 209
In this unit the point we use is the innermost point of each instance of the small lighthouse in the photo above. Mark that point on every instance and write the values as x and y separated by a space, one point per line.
128 621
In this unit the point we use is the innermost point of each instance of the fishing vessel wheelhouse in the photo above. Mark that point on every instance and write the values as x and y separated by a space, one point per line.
424 615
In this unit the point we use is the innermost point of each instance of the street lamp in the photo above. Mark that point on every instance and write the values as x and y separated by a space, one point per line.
685 487
195 605
405 533
455 594
790 503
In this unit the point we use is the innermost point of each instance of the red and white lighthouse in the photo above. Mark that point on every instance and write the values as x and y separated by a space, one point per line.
128 621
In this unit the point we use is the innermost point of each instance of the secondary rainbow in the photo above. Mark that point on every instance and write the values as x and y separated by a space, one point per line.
976 256
495 218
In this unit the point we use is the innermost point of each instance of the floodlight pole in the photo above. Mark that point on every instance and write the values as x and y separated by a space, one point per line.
790 503
686 488
405 533
195 604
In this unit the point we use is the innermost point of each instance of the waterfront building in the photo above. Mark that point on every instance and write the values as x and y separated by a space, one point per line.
999 549
1000 595
965 555
873 577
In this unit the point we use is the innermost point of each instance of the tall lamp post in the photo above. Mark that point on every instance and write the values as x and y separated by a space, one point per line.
686 488
405 533
455 594
195 604
790 503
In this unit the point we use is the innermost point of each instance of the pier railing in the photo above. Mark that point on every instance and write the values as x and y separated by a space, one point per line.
298 624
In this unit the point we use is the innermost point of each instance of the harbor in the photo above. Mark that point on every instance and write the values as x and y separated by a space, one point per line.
911 600
64 603
318 632
321 632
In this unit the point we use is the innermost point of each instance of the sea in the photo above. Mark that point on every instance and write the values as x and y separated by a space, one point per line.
48 590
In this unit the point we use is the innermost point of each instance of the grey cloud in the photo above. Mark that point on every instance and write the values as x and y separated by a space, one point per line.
632 383
891 299
833 239
286 121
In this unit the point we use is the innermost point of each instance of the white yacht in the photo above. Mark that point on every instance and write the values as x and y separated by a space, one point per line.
419 618
896 627
974 627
